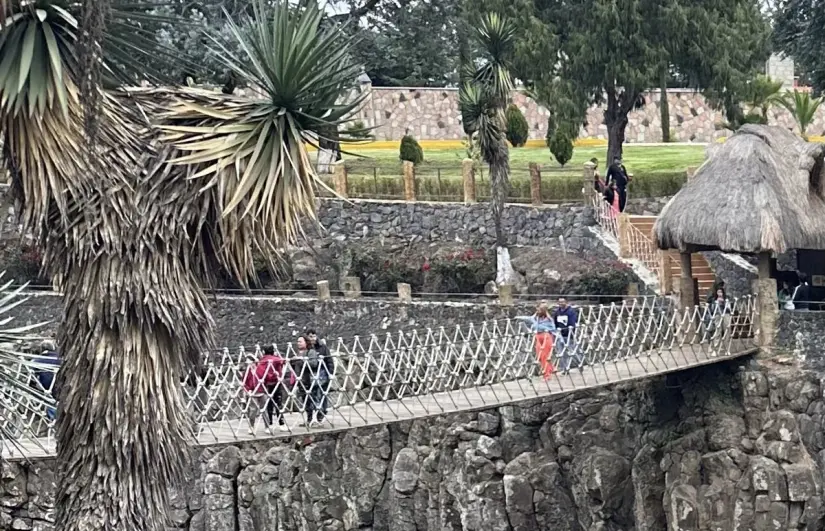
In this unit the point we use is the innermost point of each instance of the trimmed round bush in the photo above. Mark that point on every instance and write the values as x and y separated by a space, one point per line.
411 150
517 129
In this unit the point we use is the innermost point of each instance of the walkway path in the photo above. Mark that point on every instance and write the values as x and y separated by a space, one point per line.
406 376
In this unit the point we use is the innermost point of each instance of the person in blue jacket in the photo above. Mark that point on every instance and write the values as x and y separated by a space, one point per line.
544 327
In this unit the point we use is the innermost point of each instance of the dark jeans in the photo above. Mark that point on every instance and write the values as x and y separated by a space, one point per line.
622 198
318 400
270 406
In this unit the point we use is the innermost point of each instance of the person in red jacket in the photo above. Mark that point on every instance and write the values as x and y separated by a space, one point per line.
263 383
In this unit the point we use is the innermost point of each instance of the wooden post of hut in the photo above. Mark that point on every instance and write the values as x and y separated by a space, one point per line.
688 287
767 302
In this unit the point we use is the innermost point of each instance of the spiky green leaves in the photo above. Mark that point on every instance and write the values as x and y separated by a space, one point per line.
803 109
32 46
250 153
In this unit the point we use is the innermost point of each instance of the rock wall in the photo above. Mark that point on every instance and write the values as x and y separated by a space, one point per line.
432 113
720 448
444 222
253 320
799 337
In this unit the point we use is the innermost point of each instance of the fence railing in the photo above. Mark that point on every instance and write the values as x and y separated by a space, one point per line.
379 379
642 248
465 181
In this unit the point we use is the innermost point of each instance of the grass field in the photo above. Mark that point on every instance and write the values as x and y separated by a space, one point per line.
637 159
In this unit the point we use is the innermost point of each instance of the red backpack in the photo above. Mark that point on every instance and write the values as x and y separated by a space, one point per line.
265 373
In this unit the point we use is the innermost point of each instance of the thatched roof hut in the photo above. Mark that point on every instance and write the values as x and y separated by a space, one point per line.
763 190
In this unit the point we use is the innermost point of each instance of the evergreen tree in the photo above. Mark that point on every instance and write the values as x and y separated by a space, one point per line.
798 31
518 131
609 52
410 150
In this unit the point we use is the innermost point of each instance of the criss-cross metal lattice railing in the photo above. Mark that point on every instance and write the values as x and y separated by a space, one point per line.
378 379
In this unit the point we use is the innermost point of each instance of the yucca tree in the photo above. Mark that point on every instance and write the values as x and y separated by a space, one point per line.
21 403
176 184
803 109
483 100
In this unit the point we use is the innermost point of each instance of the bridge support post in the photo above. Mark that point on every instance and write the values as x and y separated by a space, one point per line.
323 290
505 295
767 305
404 292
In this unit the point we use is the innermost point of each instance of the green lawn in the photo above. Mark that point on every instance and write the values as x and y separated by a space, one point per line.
637 159
657 171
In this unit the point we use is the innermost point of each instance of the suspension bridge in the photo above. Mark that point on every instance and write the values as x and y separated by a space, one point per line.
412 375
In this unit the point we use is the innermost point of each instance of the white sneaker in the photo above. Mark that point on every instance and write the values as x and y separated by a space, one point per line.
269 430
314 424
251 431
283 427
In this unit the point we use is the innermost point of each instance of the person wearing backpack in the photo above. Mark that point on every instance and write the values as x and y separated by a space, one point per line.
325 380
263 383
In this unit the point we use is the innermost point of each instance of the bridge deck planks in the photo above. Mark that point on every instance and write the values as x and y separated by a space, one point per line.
364 414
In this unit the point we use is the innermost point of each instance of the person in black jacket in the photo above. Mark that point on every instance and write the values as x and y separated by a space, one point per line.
329 363
617 174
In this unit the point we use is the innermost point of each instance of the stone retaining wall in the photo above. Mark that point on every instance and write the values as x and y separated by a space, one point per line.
524 225
432 113
715 448
801 335
252 320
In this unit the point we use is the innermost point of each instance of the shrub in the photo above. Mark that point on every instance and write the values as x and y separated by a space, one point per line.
517 129
561 146
357 129
411 150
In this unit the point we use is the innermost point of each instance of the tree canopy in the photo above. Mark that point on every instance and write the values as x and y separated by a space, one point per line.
575 54
798 31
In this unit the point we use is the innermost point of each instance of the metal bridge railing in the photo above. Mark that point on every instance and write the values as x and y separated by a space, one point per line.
379 379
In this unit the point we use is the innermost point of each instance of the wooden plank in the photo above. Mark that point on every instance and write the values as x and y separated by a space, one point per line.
343 416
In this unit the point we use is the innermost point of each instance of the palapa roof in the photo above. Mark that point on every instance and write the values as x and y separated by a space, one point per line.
763 190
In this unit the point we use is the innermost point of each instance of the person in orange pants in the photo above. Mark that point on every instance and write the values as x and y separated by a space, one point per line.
542 324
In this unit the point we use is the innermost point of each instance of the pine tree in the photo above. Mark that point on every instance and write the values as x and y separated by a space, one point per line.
517 129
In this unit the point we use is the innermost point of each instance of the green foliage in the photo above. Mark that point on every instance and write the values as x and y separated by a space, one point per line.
411 150
444 271
797 31
561 146
573 54
803 109
357 130
761 93
518 130
408 43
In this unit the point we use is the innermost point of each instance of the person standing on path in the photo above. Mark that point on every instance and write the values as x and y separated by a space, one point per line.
617 174
541 324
